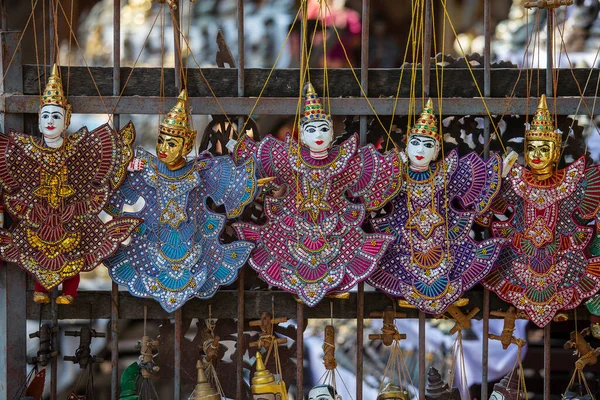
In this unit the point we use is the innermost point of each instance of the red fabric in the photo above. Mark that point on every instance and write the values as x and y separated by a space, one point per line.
69 286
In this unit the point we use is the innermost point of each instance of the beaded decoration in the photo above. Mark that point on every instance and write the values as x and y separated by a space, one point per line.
545 267
176 253
433 259
55 196
313 243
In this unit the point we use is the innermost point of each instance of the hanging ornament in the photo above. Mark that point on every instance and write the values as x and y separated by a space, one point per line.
543 268
203 389
508 388
312 243
177 253
129 382
396 374
587 356
263 381
437 389
54 189
83 356
433 259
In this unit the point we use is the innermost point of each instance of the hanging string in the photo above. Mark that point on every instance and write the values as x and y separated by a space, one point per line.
84 59
138 58
497 133
37 58
12 58
69 52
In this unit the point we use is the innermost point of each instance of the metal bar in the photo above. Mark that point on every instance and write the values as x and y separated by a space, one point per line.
300 351
426 89
487 89
364 63
177 47
360 320
364 82
4 15
13 283
549 92
178 337
54 361
114 314
177 354
51 39
240 337
547 351
241 55
240 289
29 104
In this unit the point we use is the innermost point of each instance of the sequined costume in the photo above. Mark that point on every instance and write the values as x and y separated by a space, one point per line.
545 267
176 253
433 260
312 242
55 196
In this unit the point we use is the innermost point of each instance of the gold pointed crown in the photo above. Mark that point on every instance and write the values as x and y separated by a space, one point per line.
313 109
54 95
177 121
203 389
426 124
263 381
542 127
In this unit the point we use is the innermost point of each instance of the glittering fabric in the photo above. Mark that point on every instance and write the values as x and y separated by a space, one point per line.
312 242
176 253
55 197
433 260
545 267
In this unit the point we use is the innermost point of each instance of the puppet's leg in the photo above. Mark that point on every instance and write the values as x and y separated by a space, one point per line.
69 290
40 294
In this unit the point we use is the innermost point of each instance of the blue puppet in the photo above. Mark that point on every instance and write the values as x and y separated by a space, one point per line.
176 253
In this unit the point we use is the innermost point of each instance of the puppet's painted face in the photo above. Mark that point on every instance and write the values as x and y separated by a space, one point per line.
267 396
540 155
317 135
421 150
171 149
322 393
52 121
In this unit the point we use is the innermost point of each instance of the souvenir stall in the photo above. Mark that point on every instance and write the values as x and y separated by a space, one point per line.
430 231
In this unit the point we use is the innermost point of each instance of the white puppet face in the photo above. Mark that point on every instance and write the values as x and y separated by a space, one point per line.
317 135
422 150
322 393
52 122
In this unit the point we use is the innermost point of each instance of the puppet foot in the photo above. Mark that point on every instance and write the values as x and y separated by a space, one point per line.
41 298
65 299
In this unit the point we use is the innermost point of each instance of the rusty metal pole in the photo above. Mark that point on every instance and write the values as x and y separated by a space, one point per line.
178 329
114 309
487 88
426 89
13 305
549 93
240 288
364 81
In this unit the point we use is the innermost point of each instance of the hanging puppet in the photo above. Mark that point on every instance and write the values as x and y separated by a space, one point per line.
54 189
433 260
176 253
544 267
312 243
